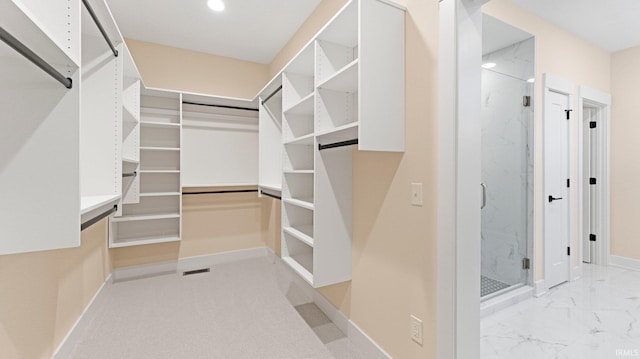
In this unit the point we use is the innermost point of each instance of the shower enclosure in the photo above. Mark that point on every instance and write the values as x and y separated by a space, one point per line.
507 166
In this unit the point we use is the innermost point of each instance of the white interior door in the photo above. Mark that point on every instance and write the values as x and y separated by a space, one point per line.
556 165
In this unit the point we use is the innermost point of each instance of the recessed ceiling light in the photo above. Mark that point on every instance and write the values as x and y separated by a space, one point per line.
531 80
216 5
489 65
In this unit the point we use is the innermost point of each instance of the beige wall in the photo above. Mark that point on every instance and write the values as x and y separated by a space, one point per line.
42 294
625 154
565 55
166 67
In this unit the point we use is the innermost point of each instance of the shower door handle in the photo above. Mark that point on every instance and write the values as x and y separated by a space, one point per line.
484 195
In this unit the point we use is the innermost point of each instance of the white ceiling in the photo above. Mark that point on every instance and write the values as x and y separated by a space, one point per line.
252 30
612 25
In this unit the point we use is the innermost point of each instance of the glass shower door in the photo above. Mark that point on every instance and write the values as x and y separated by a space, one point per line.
506 171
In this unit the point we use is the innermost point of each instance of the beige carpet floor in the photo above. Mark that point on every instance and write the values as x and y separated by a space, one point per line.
243 310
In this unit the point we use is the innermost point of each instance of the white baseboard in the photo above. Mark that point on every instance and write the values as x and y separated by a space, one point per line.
192 263
185 264
357 336
576 272
624 262
70 341
540 288
505 300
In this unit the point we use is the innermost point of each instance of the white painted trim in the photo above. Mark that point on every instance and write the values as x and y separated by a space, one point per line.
557 84
505 300
540 288
459 178
184 264
602 100
145 270
624 262
70 341
192 263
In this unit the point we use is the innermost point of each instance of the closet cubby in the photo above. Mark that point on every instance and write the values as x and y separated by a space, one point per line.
158 182
141 232
298 157
155 216
336 109
356 67
299 256
298 185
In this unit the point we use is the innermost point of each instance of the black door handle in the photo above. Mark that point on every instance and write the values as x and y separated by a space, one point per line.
552 198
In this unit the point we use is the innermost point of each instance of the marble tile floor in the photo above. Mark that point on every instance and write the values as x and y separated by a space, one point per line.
246 309
594 317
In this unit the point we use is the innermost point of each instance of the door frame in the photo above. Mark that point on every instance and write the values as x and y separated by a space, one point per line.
558 84
602 101
459 177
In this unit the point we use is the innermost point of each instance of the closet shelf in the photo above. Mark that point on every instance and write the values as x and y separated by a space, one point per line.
299 172
90 203
159 194
341 133
304 203
302 140
160 124
303 107
345 80
160 111
130 160
295 264
147 148
128 242
271 187
301 233
146 217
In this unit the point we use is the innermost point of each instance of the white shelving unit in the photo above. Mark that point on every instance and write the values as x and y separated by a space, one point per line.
130 130
155 216
270 138
40 128
346 84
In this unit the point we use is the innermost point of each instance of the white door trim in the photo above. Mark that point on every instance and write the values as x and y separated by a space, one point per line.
603 101
558 84
459 128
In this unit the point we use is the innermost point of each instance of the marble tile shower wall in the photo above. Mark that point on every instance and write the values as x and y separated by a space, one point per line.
507 165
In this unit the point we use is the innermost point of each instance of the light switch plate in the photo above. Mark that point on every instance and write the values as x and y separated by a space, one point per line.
416 194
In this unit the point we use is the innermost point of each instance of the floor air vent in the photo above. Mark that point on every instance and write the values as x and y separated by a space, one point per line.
196 271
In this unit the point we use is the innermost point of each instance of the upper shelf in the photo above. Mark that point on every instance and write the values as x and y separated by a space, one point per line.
90 203
345 80
48 28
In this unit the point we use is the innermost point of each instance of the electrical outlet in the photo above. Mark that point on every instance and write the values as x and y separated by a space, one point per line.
416 194
416 329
